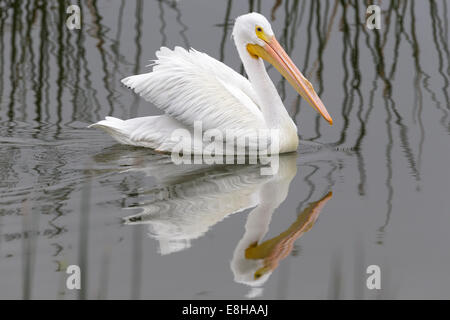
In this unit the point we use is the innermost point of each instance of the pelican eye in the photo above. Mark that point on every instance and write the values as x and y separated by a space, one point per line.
260 33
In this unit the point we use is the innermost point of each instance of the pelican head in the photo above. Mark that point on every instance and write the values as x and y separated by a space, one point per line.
254 32
252 28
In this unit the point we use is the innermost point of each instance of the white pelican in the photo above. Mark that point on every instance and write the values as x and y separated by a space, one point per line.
191 86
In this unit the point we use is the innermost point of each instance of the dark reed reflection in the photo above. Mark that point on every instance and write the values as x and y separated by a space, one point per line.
387 90
84 235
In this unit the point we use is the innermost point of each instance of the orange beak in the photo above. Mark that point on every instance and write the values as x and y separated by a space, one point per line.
273 53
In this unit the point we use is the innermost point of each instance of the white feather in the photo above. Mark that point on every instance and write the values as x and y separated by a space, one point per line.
190 86
150 132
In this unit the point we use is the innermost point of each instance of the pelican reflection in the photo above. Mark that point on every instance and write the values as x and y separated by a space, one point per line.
253 260
188 200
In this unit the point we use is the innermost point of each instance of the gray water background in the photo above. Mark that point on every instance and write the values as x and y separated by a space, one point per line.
64 189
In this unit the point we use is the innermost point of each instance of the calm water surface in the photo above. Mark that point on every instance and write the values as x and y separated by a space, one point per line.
371 189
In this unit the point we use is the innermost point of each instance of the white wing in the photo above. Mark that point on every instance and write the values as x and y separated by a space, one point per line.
191 86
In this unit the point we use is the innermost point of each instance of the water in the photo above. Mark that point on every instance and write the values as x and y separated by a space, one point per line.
371 189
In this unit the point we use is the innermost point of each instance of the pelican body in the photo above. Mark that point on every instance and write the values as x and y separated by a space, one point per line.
191 86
